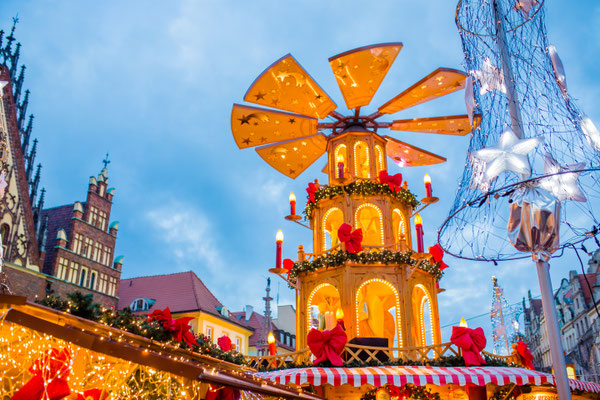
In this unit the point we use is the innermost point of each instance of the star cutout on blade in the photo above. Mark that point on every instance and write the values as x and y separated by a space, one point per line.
562 183
490 77
246 141
525 6
244 120
292 120
260 96
510 154
292 172
263 139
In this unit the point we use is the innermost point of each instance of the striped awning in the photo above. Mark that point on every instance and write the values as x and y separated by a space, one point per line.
398 376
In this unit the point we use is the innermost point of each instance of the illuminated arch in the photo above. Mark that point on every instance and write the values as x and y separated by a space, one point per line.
362 165
396 306
340 152
379 159
326 298
332 220
398 225
421 300
369 218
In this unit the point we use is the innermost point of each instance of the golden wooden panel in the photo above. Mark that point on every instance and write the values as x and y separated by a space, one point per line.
440 82
410 156
291 158
255 126
458 125
359 72
287 86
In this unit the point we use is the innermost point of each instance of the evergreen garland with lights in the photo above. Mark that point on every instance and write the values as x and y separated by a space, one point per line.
362 187
408 391
339 257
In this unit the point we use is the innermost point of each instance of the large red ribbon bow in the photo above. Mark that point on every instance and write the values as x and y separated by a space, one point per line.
93 394
471 342
525 354
437 253
179 328
311 189
49 381
352 239
327 345
393 181
224 343
163 317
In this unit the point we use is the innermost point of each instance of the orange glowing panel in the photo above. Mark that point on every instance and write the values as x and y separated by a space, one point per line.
287 86
291 158
440 82
407 155
452 125
359 72
254 126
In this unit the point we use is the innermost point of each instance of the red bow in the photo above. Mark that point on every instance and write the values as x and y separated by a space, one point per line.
471 342
352 239
222 393
224 343
437 253
179 328
163 317
49 381
394 181
288 264
311 189
327 345
93 394
525 354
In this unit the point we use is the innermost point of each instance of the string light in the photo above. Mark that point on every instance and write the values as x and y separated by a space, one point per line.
380 226
398 313
367 163
329 212
310 299
338 156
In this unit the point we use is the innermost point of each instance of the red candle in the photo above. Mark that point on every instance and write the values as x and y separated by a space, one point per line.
279 243
428 190
272 344
340 166
419 229
292 203
339 315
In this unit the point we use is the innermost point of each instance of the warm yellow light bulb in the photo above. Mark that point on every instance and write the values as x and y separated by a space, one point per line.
271 338
292 196
279 236
418 220
427 179
463 323
339 314
340 158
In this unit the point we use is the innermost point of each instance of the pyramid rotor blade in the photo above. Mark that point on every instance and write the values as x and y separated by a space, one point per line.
439 83
255 126
407 155
291 158
458 125
287 86
359 72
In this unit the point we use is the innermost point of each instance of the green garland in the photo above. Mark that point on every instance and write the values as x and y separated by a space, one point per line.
339 257
84 306
410 391
364 188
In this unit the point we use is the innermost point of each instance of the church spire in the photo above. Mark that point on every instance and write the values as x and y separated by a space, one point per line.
31 160
268 323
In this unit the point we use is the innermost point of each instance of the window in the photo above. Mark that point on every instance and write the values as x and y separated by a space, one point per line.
63 266
98 253
102 283
97 218
93 280
238 344
107 256
141 304
73 272
83 276
112 286
93 215
87 248
101 220
77 243
209 332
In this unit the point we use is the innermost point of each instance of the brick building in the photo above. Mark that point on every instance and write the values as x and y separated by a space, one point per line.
56 250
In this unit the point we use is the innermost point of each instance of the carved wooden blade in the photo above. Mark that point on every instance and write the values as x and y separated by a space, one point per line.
359 72
291 158
255 126
407 155
287 86
458 125
440 82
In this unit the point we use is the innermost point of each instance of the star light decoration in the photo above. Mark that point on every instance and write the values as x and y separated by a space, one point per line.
591 132
470 98
509 154
490 77
557 67
525 6
562 183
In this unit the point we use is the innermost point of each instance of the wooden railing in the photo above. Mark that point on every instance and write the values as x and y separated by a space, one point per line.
368 355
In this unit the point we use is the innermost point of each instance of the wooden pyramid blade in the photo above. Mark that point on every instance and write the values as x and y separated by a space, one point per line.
440 82
287 86
407 155
458 125
255 126
291 158
359 72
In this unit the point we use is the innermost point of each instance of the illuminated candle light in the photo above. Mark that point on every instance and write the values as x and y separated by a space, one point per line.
339 315
427 181
463 323
340 166
419 229
279 244
272 345
292 203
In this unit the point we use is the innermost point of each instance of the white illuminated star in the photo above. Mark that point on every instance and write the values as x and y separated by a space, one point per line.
563 186
557 67
490 77
510 154
469 98
525 6
591 132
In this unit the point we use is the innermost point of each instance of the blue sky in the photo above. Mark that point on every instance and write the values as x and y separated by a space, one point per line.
153 82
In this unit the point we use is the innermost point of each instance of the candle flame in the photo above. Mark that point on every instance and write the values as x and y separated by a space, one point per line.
463 323
271 338
418 220
292 197
340 158
339 314
279 236
427 179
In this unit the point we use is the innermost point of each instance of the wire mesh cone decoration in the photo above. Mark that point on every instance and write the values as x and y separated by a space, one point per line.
533 143
294 133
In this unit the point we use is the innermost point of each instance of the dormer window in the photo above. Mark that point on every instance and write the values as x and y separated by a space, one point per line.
141 304
223 311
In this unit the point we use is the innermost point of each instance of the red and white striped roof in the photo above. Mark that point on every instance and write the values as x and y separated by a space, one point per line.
398 376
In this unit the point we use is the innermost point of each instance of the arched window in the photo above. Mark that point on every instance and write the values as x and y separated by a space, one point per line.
93 280
399 226
82 277
423 311
369 219
141 304
333 219
378 311
378 158
340 155
323 304
361 160
4 231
